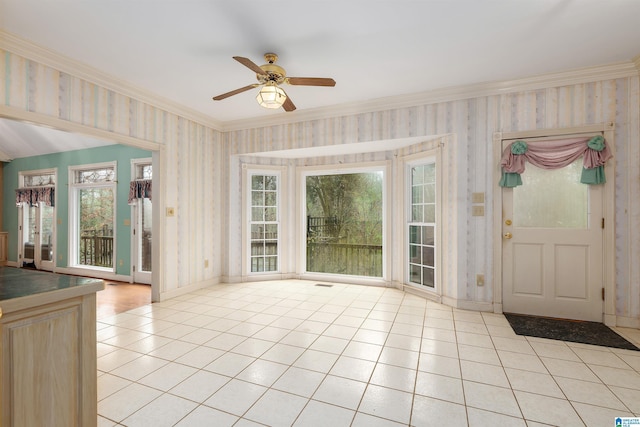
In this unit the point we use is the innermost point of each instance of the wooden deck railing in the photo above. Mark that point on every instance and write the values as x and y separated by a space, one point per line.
343 258
96 250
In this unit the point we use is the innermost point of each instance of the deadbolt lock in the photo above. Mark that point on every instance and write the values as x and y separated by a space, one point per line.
508 222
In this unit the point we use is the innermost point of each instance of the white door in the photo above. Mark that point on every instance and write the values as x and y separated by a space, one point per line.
36 232
141 252
553 245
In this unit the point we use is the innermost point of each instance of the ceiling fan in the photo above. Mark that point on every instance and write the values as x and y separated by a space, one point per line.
270 76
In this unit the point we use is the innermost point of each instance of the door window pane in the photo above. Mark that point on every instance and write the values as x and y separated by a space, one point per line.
96 227
551 198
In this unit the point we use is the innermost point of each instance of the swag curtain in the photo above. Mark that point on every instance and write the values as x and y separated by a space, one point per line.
139 189
33 196
555 154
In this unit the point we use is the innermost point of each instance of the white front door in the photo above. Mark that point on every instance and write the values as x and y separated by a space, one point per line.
37 240
552 254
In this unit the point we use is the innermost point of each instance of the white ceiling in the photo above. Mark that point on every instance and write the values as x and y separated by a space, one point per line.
182 50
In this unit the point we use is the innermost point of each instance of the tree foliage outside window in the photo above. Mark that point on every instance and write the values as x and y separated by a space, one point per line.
344 223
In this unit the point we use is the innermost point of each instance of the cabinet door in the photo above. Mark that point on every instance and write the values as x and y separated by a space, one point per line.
43 365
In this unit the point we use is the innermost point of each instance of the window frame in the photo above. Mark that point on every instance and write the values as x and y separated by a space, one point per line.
247 259
423 159
343 169
74 214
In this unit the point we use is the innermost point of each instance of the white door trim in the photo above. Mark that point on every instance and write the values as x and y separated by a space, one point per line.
608 210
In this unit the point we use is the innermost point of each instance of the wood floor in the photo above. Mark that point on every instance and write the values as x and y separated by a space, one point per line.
118 297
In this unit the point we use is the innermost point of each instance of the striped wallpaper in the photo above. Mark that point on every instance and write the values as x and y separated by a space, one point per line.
201 167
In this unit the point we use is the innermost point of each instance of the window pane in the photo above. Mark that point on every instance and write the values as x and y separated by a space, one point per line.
414 234
270 214
270 198
428 277
96 227
551 198
414 254
429 193
344 223
417 214
271 183
415 275
427 256
257 214
429 213
257 198
257 182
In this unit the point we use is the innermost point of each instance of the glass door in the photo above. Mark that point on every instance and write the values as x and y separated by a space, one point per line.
141 217
142 241
37 240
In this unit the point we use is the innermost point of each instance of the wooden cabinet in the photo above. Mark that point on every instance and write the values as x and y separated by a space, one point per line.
48 361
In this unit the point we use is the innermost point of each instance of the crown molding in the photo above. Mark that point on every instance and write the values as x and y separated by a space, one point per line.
564 78
29 50
50 58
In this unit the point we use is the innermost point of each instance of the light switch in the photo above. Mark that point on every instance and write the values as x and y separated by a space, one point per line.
477 197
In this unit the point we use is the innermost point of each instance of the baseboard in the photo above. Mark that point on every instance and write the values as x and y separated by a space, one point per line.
424 294
98 274
468 305
164 296
625 322
352 280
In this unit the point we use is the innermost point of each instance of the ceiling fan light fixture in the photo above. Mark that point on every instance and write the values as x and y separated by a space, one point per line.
271 96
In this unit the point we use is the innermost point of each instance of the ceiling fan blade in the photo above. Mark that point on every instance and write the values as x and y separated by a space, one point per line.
288 105
250 64
311 81
234 92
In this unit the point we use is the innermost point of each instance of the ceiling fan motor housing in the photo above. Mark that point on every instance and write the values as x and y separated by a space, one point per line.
275 73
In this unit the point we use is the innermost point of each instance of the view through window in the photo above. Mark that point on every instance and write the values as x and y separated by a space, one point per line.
345 223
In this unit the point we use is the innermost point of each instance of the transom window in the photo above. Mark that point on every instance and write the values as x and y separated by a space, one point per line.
47 179
144 171
85 176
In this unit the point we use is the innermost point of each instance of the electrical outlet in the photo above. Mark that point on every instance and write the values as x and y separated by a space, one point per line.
480 279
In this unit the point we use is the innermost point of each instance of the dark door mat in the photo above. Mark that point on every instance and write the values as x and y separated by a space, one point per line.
593 333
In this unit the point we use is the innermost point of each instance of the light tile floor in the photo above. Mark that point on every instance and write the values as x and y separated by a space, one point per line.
289 353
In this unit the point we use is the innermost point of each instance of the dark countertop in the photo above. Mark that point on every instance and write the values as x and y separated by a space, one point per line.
19 282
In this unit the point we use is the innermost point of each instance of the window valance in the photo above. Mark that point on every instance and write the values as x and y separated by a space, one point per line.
555 154
34 195
139 189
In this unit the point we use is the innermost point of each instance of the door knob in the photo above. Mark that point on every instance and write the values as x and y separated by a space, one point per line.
508 235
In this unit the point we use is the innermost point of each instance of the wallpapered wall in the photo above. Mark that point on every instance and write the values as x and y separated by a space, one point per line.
121 154
474 121
197 165
190 172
